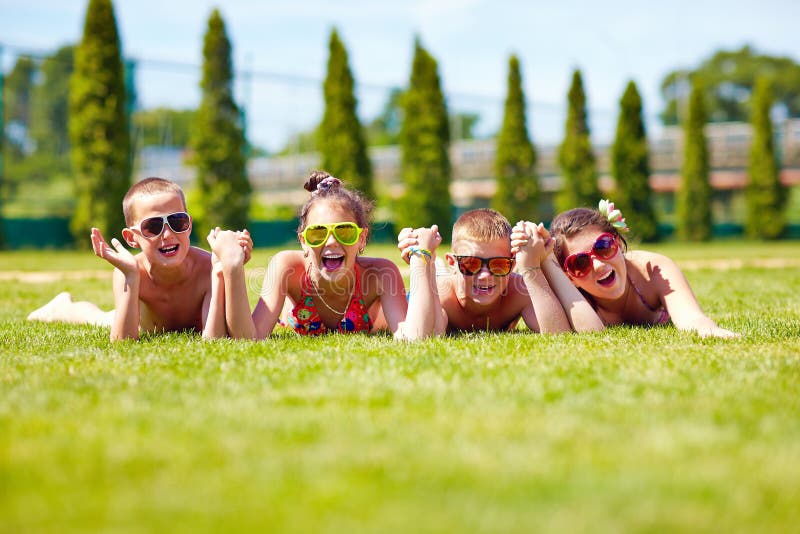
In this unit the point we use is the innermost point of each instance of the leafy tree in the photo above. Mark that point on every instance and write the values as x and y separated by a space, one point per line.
385 128
515 163
98 127
693 203
575 155
223 190
17 92
164 126
462 126
50 120
341 137
631 167
766 196
729 78
424 142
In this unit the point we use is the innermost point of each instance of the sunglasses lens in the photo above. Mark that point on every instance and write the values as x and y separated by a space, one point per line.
579 265
469 265
179 222
605 247
346 234
500 266
152 227
315 235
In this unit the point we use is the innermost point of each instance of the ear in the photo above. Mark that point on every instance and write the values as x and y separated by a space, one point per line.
362 239
451 259
130 237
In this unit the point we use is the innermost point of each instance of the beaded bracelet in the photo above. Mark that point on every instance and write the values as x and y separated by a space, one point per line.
423 253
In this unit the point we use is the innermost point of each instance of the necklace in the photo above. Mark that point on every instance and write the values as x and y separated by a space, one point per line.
333 310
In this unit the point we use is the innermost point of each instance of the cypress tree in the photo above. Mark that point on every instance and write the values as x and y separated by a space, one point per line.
50 119
631 167
222 197
766 195
693 203
424 144
576 158
515 165
98 127
340 135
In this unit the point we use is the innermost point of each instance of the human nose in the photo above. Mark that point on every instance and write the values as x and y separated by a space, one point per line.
331 241
484 271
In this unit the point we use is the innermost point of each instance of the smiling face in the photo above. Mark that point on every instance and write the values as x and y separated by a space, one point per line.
482 288
606 279
169 248
332 260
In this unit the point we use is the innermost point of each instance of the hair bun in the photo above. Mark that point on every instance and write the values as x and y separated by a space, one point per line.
321 181
314 180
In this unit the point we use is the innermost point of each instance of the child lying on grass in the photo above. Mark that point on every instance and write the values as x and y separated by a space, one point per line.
623 287
167 286
477 287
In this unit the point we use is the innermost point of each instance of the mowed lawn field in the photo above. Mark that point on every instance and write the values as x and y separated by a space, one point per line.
629 430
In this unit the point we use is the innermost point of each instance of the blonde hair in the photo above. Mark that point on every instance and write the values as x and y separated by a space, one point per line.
482 225
148 186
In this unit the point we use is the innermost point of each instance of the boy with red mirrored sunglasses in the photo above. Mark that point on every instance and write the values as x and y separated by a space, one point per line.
166 287
478 288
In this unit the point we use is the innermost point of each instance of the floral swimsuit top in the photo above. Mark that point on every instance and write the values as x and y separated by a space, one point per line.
305 319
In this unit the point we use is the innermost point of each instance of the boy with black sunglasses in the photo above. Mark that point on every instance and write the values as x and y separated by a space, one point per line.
167 286
479 290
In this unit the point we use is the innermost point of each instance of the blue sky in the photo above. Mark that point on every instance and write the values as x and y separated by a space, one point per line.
285 44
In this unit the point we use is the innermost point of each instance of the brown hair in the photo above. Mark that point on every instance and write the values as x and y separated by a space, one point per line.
334 191
148 186
483 224
572 222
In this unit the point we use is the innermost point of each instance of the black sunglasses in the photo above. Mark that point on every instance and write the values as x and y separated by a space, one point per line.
153 226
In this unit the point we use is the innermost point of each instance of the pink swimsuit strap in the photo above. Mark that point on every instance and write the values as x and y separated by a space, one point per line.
663 316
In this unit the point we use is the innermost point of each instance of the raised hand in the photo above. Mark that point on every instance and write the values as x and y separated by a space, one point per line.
531 243
428 238
246 242
227 246
406 239
118 256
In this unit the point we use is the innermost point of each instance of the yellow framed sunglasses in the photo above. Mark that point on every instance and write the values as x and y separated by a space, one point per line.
346 233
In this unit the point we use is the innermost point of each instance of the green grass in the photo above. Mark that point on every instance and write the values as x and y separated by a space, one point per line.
633 429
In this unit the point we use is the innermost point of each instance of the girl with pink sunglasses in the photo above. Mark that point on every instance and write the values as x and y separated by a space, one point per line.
637 287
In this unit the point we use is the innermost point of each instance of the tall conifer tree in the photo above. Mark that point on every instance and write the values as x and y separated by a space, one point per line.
223 190
98 128
693 203
575 155
631 167
340 135
515 165
766 195
424 145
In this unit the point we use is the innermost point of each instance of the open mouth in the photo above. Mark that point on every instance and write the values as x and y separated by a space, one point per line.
332 263
170 250
608 279
481 289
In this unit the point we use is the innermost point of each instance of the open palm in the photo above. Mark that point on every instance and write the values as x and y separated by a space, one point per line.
115 254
